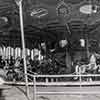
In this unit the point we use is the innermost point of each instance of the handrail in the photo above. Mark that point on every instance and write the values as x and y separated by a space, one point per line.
35 92
66 75
79 83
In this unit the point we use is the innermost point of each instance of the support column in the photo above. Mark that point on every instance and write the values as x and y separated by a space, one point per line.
19 3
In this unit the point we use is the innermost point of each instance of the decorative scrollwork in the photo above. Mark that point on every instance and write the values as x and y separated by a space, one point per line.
62 9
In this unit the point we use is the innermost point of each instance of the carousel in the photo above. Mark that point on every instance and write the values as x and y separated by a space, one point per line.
49 46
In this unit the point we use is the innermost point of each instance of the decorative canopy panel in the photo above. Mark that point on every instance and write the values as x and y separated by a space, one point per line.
48 19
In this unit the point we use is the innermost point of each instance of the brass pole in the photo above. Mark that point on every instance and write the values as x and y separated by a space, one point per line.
23 46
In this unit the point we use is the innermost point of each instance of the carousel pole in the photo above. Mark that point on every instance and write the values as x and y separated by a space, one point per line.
87 46
23 44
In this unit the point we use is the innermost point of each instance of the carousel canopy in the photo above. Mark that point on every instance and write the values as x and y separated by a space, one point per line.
48 20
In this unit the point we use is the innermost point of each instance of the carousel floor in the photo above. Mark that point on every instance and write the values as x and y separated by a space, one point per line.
71 93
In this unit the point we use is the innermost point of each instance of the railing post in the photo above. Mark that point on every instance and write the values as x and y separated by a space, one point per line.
52 80
34 87
80 79
47 80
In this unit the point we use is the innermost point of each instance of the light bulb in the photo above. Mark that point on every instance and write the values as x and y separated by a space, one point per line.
82 42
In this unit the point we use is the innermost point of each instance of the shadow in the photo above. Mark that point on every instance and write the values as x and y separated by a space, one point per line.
2 97
23 91
44 98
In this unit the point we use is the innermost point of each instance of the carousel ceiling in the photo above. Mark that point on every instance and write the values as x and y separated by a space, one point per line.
48 19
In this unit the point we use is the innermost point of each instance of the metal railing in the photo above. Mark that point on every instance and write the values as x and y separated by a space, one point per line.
47 83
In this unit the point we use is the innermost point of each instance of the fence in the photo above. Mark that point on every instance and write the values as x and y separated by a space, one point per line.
80 83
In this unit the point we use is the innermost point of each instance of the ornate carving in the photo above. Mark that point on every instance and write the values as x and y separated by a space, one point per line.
63 9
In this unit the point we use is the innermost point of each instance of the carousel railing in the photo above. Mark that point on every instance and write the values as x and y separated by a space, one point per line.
48 80
63 82
80 83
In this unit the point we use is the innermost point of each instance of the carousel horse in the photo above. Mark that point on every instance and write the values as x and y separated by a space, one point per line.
91 68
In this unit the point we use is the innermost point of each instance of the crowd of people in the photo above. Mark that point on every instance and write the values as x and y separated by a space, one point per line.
45 61
54 61
14 69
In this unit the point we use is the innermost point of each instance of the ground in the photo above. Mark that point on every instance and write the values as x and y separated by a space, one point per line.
18 93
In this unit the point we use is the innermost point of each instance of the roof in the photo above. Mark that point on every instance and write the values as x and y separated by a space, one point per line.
49 27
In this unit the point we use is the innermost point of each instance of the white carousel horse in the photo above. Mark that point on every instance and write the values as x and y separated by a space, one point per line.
86 69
